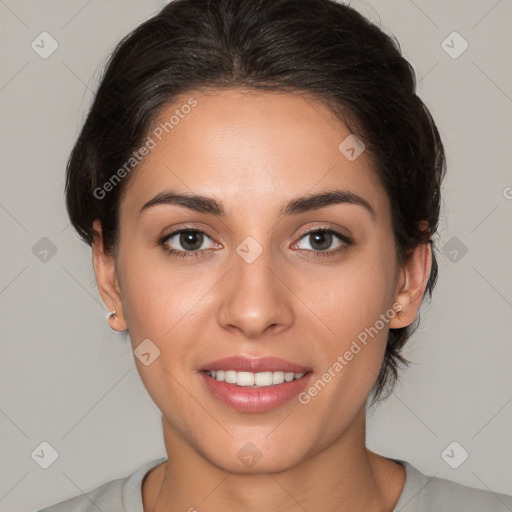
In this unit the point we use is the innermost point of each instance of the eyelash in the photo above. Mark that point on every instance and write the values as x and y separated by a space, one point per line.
198 254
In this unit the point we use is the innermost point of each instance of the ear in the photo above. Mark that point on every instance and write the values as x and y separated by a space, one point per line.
106 277
411 285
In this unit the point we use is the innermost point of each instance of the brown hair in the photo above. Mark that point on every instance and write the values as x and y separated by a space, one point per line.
318 47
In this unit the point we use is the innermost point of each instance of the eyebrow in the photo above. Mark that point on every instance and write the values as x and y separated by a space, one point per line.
311 202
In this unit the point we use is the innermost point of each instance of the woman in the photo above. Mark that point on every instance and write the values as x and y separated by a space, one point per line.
260 186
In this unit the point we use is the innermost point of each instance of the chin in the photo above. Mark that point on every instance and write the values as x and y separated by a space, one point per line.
256 454
257 463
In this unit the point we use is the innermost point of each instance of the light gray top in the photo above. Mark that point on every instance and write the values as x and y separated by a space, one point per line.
421 493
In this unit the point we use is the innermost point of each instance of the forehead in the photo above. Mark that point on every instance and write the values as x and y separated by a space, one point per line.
234 144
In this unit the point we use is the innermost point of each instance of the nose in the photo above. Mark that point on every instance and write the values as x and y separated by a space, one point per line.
256 298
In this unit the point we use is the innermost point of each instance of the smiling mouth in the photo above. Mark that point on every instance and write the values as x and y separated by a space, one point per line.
254 380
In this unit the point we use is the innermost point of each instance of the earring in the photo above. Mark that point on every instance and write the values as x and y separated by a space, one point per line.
111 314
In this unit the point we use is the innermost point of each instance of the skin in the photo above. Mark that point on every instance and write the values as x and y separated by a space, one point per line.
253 152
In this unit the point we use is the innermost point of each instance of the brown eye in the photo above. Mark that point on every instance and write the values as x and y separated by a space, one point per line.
321 240
191 240
186 241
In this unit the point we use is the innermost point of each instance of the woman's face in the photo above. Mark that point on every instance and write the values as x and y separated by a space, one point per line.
256 286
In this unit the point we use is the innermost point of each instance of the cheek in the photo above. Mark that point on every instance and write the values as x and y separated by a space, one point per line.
158 304
354 304
154 296
165 303
352 352
349 297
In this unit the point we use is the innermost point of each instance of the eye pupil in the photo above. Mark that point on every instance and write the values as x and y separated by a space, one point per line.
191 240
323 239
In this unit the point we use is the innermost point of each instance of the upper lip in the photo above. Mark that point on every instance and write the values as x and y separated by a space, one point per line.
254 365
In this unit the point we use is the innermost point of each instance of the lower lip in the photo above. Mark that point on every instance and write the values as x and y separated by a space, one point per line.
247 399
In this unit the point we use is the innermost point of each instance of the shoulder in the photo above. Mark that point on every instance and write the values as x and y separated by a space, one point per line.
424 493
120 495
106 497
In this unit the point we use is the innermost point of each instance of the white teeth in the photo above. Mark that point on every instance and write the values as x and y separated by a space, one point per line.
255 380
277 377
263 379
230 377
244 378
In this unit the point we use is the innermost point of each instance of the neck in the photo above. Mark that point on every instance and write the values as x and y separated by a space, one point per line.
343 477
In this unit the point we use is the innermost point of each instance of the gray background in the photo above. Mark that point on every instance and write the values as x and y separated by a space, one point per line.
68 380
